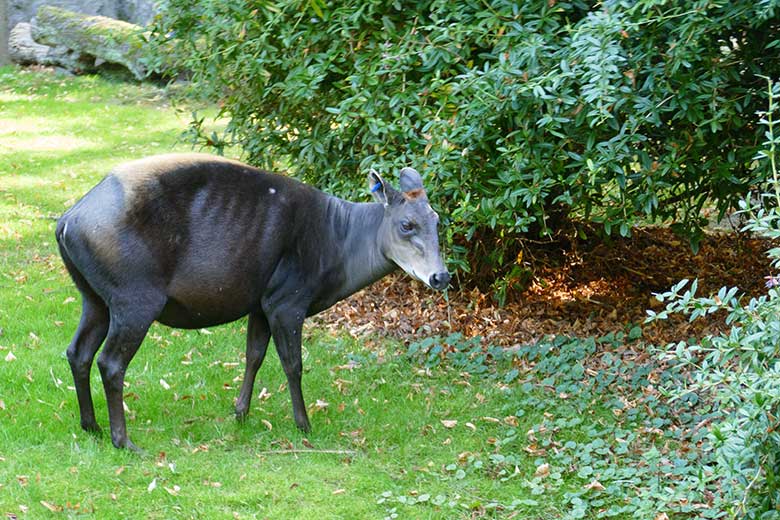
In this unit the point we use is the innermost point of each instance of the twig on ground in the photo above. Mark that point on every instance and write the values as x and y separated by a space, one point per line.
296 451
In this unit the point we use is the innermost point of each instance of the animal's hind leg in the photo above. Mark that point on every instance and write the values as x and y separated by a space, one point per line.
257 336
130 320
89 336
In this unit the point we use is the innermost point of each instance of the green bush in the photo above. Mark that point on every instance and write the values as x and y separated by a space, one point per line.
522 115
741 370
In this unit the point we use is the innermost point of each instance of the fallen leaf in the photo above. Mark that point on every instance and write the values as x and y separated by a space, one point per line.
598 486
542 470
152 485
69 299
173 491
54 508
511 420
449 423
339 491
341 384
267 424
471 426
661 516
164 384
10 357
352 364
2 404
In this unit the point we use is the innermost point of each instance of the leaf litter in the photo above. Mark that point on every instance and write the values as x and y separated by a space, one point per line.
586 288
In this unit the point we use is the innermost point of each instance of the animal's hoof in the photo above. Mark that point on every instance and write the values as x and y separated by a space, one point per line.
127 444
135 449
304 426
241 415
91 427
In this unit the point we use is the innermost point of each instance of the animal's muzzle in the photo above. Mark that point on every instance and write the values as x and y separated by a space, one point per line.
440 281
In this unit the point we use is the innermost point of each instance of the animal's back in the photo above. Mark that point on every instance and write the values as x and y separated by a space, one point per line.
209 230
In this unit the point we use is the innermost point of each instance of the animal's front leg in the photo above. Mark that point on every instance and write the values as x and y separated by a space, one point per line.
286 327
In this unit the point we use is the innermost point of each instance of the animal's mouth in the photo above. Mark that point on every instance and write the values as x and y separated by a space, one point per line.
414 274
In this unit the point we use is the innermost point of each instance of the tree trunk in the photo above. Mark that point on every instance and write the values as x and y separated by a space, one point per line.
4 57
105 39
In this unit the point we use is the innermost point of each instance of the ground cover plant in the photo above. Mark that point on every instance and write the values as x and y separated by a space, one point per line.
443 426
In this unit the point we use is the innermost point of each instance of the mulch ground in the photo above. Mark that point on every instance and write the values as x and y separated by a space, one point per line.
585 289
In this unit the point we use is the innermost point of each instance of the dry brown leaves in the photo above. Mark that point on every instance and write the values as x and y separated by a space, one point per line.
586 289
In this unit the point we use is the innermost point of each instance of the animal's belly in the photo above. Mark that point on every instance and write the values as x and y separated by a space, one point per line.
175 314
204 303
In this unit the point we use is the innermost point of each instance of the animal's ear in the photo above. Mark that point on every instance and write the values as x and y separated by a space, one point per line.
411 183
378 188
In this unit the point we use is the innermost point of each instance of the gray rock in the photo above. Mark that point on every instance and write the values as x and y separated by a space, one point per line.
99 38
25 50
24 10
139 12
134 11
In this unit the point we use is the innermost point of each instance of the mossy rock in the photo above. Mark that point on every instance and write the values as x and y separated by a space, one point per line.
104 38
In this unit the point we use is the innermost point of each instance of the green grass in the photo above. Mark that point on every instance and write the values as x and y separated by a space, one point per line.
383 418
59 136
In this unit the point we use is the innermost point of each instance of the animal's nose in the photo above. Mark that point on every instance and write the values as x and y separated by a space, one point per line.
440 281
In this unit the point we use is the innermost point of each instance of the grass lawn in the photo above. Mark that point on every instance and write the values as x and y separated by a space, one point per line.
391 436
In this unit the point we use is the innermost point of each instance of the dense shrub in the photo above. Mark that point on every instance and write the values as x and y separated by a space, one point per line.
522 115
740 370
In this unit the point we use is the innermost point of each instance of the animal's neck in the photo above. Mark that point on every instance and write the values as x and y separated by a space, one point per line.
363 259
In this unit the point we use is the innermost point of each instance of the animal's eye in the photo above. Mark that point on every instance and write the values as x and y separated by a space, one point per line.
407 226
